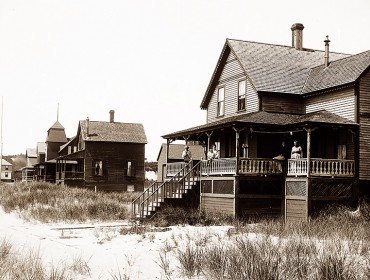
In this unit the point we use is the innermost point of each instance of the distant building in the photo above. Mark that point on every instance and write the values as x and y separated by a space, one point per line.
6 170
104 156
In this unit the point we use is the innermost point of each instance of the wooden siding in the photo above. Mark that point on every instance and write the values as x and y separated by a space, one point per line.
232 73
259 206
218 204
282 104
296 210
114 157
364 137
341 102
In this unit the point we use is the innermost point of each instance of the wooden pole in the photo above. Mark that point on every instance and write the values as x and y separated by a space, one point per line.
308 150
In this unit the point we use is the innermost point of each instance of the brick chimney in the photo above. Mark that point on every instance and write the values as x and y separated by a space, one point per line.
326 57
111 116
297 36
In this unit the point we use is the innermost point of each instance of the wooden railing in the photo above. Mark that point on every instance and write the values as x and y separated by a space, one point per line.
222 166
330 167
172 188
260 166
321 167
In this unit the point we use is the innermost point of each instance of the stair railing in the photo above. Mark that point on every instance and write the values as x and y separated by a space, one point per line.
171 188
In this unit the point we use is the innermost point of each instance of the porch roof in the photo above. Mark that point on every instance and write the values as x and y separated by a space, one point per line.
262 119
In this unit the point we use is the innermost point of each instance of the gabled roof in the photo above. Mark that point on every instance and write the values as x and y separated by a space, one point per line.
175 151
263 118
56 133
113 132
274 68
4 162
31 153
339 72
41 147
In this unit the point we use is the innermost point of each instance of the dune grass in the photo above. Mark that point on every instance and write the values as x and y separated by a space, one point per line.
48 202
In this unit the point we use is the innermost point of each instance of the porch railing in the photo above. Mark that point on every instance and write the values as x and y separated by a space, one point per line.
260 166
321 167
222 166
172 188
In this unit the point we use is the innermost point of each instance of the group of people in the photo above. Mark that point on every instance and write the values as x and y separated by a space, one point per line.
212 154
295 153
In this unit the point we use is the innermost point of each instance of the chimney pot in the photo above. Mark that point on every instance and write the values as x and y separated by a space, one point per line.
111 116
326 58
297 36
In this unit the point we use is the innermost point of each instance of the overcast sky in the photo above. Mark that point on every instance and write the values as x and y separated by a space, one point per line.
150 61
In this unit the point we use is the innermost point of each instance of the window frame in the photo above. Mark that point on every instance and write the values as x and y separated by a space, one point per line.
132 164
101 167
245 95
220 104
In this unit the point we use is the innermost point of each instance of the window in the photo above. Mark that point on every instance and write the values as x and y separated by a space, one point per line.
98 167
241 95
6 174
130 169
221 101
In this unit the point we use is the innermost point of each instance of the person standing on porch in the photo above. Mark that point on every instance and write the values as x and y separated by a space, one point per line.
297 151
186 154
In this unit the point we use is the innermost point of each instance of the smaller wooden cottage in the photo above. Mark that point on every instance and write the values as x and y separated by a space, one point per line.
6 171
105 156
174 158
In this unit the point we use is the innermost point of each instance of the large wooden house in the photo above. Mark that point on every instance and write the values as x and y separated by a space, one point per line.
105 156
261 95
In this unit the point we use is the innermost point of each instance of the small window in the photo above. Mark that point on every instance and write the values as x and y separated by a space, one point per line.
241 95
6 174
98 167
130 169
221 101
6 167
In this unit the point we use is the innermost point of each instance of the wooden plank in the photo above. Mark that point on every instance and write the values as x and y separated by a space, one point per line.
341 102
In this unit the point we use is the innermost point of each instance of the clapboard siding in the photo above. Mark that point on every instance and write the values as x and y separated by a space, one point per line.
218 204
296 209
282 104
114 157
364 137
230 76
341 102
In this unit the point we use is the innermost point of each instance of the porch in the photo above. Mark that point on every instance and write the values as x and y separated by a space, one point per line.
316 167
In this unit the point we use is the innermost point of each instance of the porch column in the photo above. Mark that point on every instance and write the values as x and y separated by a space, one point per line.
308 150
237 146
209 134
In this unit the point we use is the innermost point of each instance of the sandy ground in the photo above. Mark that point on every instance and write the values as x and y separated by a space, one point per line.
99 245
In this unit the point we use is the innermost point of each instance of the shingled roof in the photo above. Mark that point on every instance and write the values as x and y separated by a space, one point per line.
339 72
113 132
267 119
284 69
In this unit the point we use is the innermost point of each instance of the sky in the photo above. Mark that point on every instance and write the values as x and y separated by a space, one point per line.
149 60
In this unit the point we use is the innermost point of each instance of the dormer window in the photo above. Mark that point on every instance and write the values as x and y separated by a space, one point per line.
221 101
241 94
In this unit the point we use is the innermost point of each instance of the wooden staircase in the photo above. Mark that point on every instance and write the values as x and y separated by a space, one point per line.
174 188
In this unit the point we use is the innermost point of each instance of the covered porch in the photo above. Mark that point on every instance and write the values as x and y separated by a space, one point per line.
251 151
70 169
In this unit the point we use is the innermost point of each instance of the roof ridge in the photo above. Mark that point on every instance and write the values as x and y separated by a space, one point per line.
285 46
341 59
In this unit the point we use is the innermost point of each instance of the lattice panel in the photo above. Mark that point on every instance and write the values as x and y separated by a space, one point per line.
296 188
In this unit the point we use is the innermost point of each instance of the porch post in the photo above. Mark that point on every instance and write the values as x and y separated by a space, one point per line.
308 150
237 134
209 134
